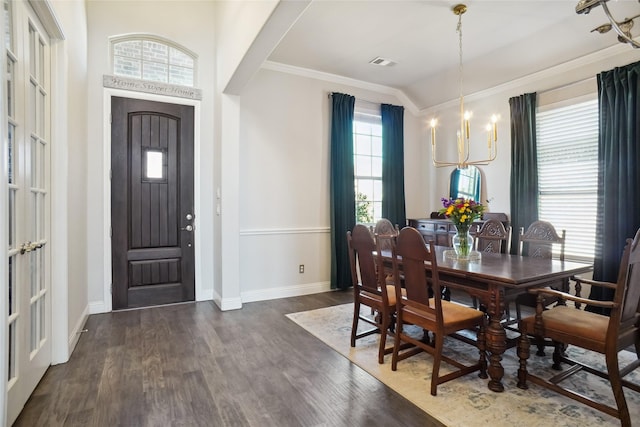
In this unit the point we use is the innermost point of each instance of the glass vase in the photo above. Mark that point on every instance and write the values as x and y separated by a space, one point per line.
462 243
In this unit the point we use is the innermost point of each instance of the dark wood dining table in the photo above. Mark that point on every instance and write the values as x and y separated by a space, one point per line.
494 279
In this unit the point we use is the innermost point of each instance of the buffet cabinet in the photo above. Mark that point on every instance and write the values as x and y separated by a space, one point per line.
441 231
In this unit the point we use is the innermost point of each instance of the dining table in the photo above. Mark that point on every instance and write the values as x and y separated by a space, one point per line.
495 279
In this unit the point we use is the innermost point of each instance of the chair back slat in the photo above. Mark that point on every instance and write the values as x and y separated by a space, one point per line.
493 237
384 227
538 241
363 264
418 262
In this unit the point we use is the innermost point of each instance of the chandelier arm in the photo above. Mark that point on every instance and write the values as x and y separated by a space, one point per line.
468 150
617 28
438 163
482 162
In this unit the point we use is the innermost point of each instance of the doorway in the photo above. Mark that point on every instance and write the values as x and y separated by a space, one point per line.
152 203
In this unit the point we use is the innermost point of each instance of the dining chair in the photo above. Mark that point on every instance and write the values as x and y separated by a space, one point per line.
386 228
602 334
492 237
370 288
417 262
388 231
539 241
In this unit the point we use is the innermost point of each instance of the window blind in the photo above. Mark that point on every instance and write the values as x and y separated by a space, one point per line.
567 143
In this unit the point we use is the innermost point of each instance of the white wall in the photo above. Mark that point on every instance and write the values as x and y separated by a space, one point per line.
70 175
284 181
191 27
238 23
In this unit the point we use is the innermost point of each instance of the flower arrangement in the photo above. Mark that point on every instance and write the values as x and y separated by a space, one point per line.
462 212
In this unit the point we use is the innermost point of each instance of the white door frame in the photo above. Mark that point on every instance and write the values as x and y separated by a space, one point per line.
107 94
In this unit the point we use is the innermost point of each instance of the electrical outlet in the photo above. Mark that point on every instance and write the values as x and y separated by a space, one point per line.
301 268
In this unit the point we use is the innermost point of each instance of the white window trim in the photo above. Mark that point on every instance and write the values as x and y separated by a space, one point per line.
367 112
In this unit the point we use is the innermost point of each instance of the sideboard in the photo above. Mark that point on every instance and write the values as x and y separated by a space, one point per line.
441 231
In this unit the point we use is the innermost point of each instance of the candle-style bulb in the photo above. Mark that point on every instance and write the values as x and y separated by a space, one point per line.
494 120
489 128
434 122
467 131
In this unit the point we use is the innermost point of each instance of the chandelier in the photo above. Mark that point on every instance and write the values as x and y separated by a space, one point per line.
622 28
464 134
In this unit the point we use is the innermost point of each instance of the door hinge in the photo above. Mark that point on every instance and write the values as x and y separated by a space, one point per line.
110 174
110 231
111 288
110 118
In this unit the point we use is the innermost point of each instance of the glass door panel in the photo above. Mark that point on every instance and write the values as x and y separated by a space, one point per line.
27 148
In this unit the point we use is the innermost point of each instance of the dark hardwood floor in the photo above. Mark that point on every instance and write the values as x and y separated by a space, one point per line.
193 365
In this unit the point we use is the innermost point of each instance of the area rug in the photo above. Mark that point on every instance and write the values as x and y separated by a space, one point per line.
467 401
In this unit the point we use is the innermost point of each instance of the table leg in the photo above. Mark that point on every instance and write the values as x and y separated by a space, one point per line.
496 339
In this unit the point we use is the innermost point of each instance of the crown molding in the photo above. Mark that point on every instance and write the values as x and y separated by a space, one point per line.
334 78
513 85
540 76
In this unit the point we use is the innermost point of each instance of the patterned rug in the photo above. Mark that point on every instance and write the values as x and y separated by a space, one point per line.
467 401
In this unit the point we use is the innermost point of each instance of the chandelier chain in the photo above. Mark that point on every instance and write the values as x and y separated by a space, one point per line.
459 30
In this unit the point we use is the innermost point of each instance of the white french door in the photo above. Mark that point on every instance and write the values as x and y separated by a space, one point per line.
27 149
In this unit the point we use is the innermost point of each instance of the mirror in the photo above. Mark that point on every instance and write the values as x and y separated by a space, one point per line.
465 182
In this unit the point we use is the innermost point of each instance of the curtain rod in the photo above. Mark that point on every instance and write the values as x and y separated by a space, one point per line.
361 100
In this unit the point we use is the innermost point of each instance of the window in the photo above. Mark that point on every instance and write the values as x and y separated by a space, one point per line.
367 155
567 139
154 60
154 165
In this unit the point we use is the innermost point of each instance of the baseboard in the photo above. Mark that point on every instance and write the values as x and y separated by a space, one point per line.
285 292
97 307
72 339
77 330
205 295
226 304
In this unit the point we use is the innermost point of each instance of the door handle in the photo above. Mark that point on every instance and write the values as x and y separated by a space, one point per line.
28 247
187 228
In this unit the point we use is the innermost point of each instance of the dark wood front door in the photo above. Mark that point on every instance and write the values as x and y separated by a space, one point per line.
151 203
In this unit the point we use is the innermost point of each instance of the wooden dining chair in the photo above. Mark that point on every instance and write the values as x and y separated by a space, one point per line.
384 227
606 335
370 288
387 232
417 261
493 237
539 241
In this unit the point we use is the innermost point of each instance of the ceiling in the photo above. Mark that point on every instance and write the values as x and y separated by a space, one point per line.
502 41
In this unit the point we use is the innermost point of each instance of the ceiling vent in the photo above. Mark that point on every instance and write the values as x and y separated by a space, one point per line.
383 62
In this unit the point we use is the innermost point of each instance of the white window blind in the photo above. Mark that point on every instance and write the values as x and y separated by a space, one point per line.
567 140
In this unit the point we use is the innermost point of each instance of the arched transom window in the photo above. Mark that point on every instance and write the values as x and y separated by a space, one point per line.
153 59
